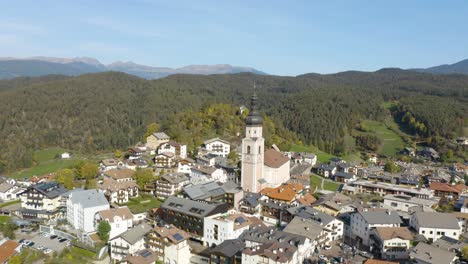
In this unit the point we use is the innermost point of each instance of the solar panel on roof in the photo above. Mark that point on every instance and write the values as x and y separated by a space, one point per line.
145 253
240 220
177 236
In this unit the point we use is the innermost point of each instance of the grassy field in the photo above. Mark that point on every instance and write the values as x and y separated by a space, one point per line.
4 219
9 203
316 181
142 203
74 255
321 156
47 162
392 142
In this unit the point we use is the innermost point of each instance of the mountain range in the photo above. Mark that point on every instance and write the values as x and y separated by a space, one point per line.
460 67
39 66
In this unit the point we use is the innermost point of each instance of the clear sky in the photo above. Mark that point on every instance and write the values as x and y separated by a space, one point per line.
284 37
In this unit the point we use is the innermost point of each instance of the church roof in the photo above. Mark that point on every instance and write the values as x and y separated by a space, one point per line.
254 118
275 159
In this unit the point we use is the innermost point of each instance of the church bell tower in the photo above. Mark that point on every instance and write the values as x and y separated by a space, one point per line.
253 148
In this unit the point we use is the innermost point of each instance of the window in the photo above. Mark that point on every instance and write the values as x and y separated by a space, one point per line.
248 149
259 149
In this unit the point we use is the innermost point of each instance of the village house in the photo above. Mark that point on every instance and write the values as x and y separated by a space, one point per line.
185 165
251 204
9 190
110 164
135 153
271 253
310 229
428 153
434 225
258 239
165 160
228 252
405 203
129 242
344 177
170 244
82 205
382 189
154 140
221 227
333 204
119 191
285 193
201 174
392 242
179 150
119 175
170 184
427 254
447 190
8 249
189 215
143 256
120 220
363 223
42 202
303 157
217 147
333 228
326 170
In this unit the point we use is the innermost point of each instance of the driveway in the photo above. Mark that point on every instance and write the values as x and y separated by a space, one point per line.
38 240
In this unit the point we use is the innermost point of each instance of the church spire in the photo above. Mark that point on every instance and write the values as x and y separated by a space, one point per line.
254 118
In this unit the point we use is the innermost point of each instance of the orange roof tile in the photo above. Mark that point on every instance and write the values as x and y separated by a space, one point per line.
286 192
445 187
7 250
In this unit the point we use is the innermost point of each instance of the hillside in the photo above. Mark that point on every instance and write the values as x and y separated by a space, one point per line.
460 67
41 66
105 111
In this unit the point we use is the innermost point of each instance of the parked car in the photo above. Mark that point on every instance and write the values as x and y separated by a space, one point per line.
366 254
47 251
53 236
30 244
62 240
21 241
326 247
323 257
41 248
340 259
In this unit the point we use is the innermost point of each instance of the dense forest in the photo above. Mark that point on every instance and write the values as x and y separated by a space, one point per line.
106 111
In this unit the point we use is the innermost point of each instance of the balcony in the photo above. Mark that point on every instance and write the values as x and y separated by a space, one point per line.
119 246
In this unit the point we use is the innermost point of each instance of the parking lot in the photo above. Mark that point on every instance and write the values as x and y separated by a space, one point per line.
336 251
39 241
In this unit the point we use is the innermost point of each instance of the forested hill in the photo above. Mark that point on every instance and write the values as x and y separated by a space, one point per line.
104 111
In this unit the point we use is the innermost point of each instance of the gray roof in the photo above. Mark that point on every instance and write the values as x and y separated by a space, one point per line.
308 212
175 177
189 207
229 247
412 200
204 191
161 135
304 227
88 198
449 243
252 199
270 235
437 220
431 254
135 234
4 187
215 139
381 217
49 189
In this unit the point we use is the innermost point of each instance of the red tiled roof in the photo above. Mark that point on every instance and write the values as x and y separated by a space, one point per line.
275 159
7 250
445 187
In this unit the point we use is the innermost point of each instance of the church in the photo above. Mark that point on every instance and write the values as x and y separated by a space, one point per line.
260 167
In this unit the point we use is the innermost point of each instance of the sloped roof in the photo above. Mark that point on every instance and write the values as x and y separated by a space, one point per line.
110 214
228 248
204 190
437 220
274 159
386 233
119 174
285 192
445 187
304 227
161 135
431 254
135 234
172 233
214 140
7 250
381 217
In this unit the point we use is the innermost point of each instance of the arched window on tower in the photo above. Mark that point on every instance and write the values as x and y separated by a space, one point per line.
248 149
259 149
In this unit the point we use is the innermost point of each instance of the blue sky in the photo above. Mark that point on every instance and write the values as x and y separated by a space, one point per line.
278 37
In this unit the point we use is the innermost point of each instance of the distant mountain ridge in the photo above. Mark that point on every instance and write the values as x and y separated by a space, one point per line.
39 66
460 67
